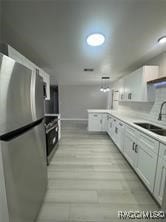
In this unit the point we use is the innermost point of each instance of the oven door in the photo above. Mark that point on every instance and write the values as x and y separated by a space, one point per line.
51 139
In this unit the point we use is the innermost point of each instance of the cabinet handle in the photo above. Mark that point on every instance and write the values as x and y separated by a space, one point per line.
164 152
116 130
129 95
95 115
136 148
133 147
120 124
101 121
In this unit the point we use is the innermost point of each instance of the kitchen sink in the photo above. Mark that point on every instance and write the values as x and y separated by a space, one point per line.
161 132
148 126
155 129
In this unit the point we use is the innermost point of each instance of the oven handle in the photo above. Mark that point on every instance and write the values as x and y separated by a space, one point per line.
47 131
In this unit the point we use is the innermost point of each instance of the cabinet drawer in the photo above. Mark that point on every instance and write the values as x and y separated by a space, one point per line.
94 115
131 130
162 151
149 143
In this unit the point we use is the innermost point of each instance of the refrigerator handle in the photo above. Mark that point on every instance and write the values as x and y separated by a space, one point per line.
18 132
32 94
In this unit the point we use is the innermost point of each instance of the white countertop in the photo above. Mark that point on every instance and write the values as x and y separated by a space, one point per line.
130 121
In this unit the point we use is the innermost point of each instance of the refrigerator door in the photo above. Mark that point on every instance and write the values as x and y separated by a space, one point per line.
37 98
25 174
20 95
164 199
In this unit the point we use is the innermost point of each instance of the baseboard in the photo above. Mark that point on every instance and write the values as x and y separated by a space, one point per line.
74 119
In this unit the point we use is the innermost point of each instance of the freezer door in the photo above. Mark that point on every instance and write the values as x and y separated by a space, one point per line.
25 173
37 98
21 94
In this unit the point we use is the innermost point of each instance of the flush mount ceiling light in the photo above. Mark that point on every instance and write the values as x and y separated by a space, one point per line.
95 39
162 40
105 84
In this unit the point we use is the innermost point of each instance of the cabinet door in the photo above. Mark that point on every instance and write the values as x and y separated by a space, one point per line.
114 130
103 122
147 152
160 180
136 88
107 122
120 136
129 144
110 126
121 90
161 174
146 165
46 80
94 122
128 82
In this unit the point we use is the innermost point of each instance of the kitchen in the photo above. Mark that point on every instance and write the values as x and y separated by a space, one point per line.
87 120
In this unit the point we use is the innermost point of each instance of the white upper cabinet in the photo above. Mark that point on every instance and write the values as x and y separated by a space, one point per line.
46 80
134 87
18 57
121 89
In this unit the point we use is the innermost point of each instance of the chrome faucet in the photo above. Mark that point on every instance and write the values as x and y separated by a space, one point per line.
161 108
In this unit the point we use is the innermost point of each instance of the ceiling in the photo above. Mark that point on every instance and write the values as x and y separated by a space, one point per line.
52 33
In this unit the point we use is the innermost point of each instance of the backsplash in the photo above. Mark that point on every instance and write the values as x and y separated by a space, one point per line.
149 111
160 97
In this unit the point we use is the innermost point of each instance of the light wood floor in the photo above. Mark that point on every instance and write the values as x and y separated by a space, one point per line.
89 180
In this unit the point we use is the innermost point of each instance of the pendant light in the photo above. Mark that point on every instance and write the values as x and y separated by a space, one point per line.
105 84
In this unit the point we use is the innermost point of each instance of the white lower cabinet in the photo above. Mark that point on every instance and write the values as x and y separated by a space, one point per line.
120 135
146 167
129 146
115 129
110 126
97 122
94 122
107 123
103 122
161 175
139 151
147 160
146 155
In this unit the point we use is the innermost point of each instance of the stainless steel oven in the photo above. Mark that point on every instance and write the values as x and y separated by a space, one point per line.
51 137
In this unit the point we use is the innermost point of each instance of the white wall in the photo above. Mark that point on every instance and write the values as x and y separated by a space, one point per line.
76 99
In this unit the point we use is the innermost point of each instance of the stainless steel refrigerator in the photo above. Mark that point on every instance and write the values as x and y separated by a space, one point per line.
23 172
164 199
